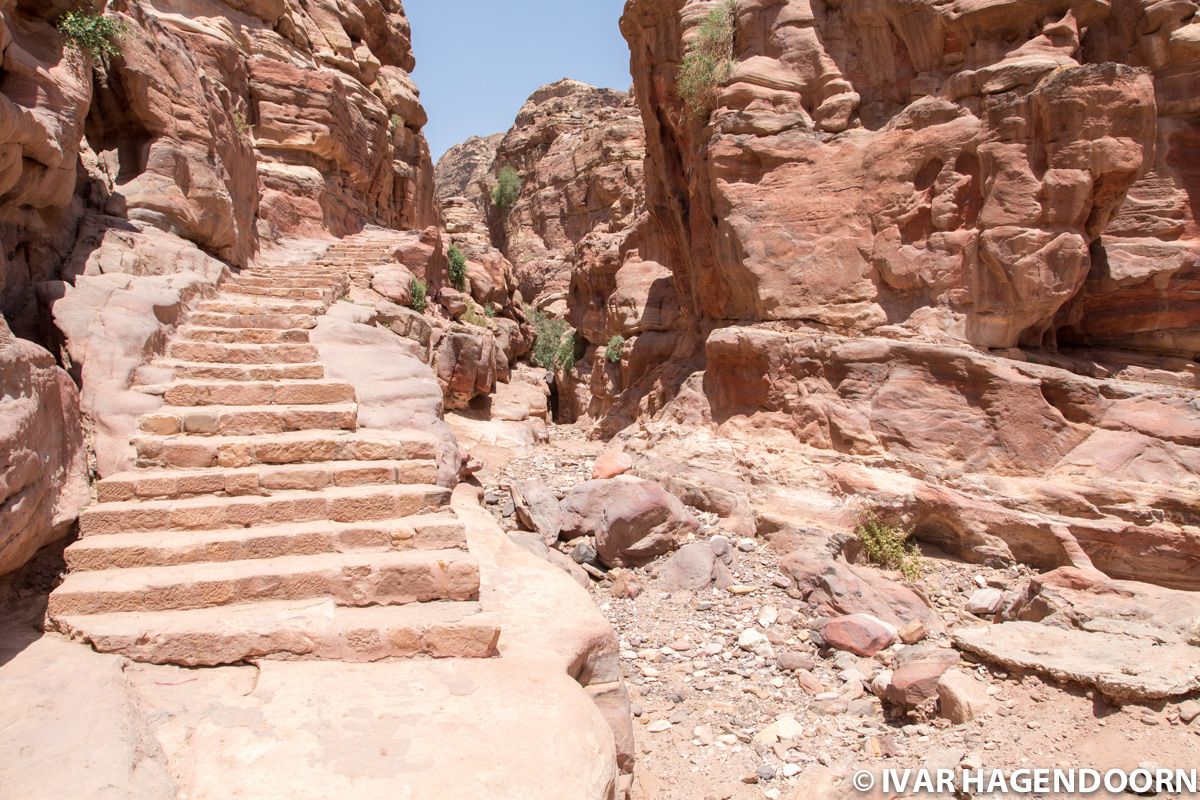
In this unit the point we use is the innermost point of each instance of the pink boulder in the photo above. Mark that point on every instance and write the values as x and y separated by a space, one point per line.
632 520
860 634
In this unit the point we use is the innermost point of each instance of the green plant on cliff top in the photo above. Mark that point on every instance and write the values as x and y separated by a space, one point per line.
708 62
94 34
508 189
420 292
887 545
458 268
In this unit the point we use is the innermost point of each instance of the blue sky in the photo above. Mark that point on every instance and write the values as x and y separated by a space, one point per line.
478 60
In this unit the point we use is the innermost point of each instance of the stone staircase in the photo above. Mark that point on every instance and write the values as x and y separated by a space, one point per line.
260 522
354 256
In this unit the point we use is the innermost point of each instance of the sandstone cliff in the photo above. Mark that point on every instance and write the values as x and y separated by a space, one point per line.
579 152
223 124
43 470
129 184
938 260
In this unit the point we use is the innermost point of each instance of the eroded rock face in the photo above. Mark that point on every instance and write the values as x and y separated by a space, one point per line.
579 153
464 169
953 178
129 186
217 123
43 466
941 259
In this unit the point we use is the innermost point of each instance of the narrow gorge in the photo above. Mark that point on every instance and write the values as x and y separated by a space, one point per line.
821 404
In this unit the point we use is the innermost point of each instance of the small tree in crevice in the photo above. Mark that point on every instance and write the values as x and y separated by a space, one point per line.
554 341
420 292
458 268
91 33
614 349
708 62
508 189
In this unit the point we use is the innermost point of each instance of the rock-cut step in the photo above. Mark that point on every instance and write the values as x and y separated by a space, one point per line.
190 370
301 447
234 290
208 319
339 504
260 479
172 548
349 579
249 420
216 353
214 637
272 280
257 393
219 335
247 306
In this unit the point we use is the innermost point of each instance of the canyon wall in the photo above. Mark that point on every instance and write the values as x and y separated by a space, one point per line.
578 238
131 183
578 151
43 465
938 260
952 173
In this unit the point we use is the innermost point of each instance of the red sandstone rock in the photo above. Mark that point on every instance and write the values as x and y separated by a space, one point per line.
43 475
632 520
860 634
611 464
917 675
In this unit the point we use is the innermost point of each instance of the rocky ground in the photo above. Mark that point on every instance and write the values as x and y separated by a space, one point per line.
736 696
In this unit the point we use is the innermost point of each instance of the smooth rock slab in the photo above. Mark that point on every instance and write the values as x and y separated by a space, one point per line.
860 634
1123 668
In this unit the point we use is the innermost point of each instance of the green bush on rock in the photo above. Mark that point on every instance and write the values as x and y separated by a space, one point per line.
420 292
615 346
554 340
458 268
708 62
508 189
91 33
887 546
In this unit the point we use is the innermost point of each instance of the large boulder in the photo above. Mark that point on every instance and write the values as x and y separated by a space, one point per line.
1123 668
694 567
464 360
860 634
537 509
917 675
43 465
632 520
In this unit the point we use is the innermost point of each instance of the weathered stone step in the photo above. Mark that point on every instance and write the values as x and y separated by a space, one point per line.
339 504
350 579
208 352
313 272
237 291
257 393
197 333
301 447
273 279
264 320
249 420
261 306
150 484
233 634
202 371
172 548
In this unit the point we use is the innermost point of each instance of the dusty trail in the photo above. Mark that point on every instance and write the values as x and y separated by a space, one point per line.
789 719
